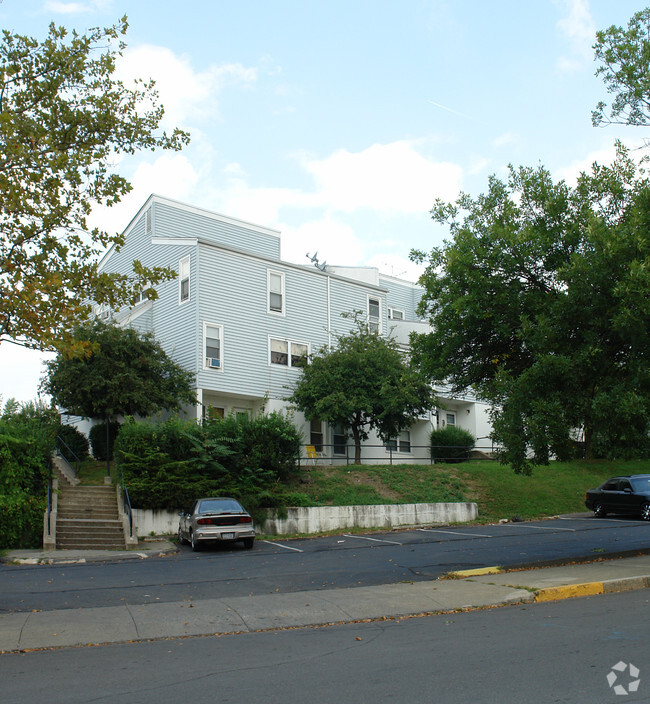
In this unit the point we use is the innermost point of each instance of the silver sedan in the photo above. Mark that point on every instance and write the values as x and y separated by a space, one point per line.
217 519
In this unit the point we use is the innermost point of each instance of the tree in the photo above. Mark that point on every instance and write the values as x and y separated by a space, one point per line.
126 374
624 55
363 383
63 120
540 304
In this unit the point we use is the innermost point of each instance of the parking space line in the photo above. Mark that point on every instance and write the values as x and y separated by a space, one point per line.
453 532
604 520
527 525
287 547
375 540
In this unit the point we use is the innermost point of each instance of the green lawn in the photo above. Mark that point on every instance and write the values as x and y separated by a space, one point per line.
498 491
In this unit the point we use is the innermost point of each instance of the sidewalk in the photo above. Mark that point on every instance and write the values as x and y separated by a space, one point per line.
473 589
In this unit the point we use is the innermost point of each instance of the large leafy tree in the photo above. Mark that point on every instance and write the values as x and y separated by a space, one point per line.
624 58
125 374
363 383
64 118
540 303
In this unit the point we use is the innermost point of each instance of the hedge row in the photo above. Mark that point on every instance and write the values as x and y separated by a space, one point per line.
168 465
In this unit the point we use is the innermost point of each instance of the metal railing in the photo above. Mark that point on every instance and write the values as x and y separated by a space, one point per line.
49 501
395 453
68 454
126 504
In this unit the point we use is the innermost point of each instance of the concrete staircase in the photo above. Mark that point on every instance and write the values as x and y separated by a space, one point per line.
88 517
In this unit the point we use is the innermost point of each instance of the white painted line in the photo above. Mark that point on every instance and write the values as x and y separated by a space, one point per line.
605 520
527 525
282 546
375 540
453 532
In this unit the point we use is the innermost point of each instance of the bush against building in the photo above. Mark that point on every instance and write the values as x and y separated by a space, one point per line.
451 444
168 465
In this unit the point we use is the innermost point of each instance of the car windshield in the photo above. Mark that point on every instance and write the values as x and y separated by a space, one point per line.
219 506
641 483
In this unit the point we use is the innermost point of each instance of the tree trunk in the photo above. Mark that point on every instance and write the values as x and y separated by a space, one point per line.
588 431
356 435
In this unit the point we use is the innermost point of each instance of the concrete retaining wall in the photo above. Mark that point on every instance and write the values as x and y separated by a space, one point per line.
326 518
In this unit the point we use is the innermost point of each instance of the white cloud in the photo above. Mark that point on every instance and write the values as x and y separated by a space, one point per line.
579 28
188 96
22 370
389 178
604 157
505 140
75 8
336 242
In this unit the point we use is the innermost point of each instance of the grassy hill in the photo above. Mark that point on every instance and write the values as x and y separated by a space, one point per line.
498 491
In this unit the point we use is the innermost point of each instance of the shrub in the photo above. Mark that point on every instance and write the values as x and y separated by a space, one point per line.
74 440
97 438
451 444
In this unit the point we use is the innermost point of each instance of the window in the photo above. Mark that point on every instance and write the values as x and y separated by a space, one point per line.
316 434
402 443
213 413
395 314
140 297
276 292
451 419
184 279
339 439
374 314
287 353
212 337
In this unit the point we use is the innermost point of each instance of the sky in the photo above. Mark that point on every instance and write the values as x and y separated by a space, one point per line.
340 123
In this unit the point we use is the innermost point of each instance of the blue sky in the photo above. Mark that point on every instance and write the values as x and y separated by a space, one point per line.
340 122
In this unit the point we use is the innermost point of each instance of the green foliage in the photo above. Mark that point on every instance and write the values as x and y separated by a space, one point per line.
624 57
539 303
74 440
451 443
66 119
364 383
124 373
97 436
168 465
27 435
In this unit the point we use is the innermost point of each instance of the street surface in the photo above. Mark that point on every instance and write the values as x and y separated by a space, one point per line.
539 653
316 563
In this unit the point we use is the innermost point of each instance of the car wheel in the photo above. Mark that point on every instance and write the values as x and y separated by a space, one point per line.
248 542
181 539
599 511
645 512
193 542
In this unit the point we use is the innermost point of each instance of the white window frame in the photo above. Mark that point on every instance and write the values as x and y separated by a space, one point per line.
269 274
289 343
374 320
448 415
401 443
184 276
206 365
392 311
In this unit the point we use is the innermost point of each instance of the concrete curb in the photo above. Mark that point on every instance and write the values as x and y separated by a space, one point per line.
589 588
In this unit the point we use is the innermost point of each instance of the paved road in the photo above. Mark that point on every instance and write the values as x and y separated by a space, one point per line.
555 652
317 563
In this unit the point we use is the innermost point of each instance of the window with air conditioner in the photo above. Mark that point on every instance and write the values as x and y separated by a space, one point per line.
212 344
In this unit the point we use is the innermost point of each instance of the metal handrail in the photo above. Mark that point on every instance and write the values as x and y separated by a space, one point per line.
390 453
49 502
126 501
76 462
